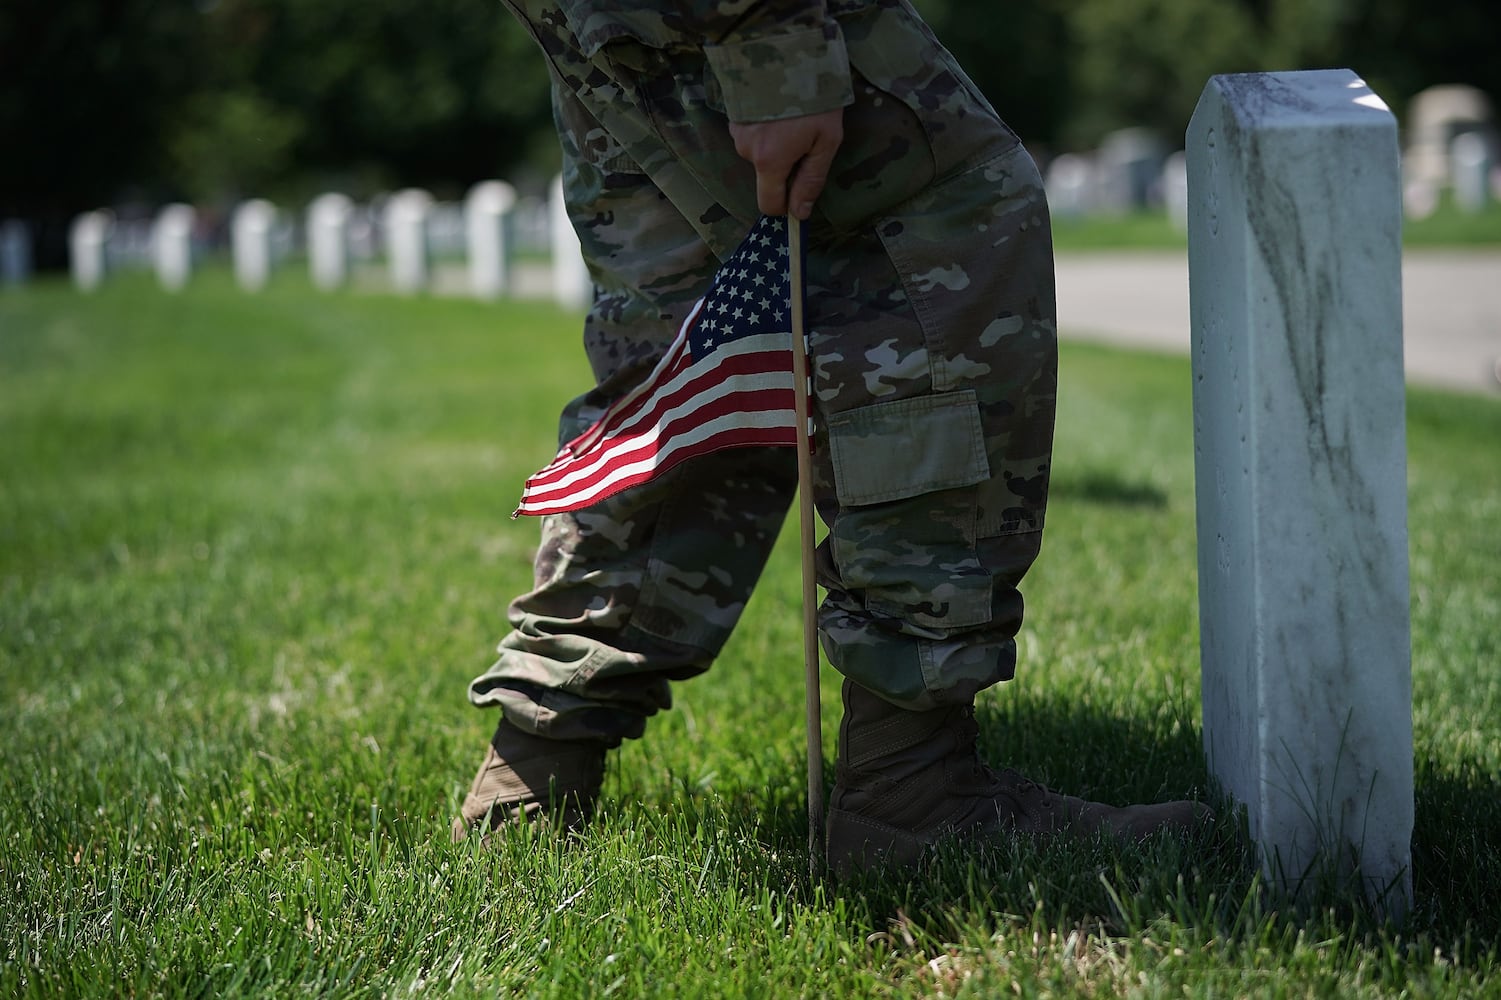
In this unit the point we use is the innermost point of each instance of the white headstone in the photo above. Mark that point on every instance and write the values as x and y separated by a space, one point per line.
1435 117
1175 189
1295 290
1070 186
487 225
328 219
15 252
250 237
572 286
1129 164
172 246
88 240
406 239
1471 162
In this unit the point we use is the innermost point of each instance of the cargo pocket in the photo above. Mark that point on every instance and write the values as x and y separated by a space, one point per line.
907 474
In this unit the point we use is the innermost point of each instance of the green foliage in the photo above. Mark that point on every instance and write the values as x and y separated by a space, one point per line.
234 142
87 89
1144 62
253 547
428 93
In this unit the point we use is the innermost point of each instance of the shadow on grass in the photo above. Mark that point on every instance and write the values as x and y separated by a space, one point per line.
1208 881
1099 487
1456 851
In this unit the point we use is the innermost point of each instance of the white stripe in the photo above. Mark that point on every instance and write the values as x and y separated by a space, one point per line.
623 445
768 419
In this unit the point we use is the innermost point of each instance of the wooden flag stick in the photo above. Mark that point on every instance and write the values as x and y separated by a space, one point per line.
805 511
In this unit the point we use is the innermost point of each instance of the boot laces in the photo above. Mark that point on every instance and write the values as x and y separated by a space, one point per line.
967 733
967 743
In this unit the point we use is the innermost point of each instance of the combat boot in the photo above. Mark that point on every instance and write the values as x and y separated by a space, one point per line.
526 778
906 780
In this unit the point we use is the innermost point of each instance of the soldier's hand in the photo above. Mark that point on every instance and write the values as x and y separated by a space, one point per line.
792 158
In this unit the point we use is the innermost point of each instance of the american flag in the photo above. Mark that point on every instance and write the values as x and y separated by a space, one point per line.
725 382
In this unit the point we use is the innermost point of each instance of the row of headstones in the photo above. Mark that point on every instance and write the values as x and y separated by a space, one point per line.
408 223
1133 171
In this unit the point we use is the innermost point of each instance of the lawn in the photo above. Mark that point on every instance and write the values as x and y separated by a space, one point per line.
253 548
1448 226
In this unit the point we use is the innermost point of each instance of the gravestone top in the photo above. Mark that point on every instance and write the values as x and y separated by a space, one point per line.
491 196
1320 98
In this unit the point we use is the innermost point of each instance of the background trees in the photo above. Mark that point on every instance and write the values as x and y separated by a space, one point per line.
108 100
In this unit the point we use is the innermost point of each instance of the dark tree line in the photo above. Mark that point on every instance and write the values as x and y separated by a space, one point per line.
104 101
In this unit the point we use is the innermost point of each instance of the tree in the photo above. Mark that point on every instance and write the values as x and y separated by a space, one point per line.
86 89
1016 53
438 93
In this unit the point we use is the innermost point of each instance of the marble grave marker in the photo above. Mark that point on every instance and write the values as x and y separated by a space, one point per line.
1300 467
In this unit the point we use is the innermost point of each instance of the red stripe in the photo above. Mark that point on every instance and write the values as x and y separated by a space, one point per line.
742 437
651 408
702 387
626 451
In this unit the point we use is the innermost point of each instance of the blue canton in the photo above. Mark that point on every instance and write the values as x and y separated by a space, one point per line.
750 292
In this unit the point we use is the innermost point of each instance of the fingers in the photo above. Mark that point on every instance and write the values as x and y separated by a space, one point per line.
792 157
812 173
771 188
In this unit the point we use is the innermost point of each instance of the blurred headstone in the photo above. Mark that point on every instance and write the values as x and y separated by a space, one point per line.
172 246
1435 118
1295 289
328 219
1070 186
572 286
1471 162
1419 198
1129 164
406 239
250 237
487 223
1175 189
15 252
88 241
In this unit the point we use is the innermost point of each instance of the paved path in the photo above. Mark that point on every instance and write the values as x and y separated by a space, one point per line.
1451 309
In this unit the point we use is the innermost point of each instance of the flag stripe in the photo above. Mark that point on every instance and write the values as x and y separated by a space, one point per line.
717 417
635 474
741 377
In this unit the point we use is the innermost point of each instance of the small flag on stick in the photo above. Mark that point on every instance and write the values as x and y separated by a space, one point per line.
725 382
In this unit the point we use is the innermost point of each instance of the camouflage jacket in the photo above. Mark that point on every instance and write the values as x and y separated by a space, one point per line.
770 58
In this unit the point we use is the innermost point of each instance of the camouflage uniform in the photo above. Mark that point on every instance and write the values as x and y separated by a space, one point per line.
932 331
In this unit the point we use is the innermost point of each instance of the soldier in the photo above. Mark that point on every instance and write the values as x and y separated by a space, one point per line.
932 335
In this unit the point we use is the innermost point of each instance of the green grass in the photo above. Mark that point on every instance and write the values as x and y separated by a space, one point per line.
253 548
1446 227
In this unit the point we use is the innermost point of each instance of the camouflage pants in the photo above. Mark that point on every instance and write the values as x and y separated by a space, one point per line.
932 329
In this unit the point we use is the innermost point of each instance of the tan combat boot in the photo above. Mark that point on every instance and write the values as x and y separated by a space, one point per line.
908 779
525 778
